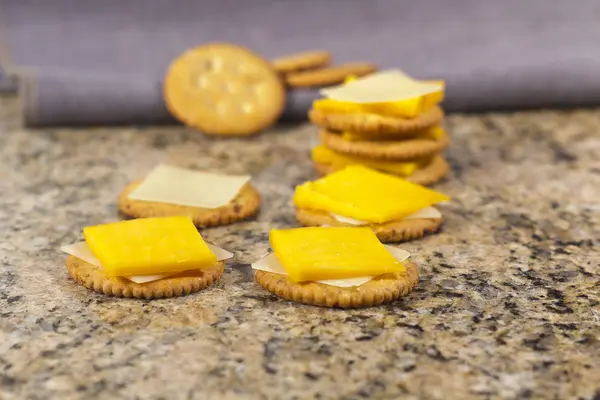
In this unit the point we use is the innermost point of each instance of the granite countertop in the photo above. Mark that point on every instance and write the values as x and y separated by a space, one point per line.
508 304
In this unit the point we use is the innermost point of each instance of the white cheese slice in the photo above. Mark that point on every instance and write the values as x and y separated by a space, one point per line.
381 87
148 278
348 282
348 220
270 263
184 187
426 213
82 251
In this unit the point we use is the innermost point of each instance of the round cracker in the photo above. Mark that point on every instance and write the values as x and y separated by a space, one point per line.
302 61
223 89
374 124
388 232
184 283
381 290
328 76
431 173
244 205
400 150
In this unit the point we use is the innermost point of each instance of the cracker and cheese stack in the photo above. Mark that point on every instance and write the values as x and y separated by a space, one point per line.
386 121
335 267
145 258
395 209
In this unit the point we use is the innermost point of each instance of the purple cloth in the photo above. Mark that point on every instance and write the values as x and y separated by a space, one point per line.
7 83
102 62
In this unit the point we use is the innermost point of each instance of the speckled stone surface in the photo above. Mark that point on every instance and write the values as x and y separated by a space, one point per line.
508 305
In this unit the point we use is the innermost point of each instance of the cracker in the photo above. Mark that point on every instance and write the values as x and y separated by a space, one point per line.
244 205
374 124
399 150
427 175
381 290
302 61
388 232
328 76
223 89
93 277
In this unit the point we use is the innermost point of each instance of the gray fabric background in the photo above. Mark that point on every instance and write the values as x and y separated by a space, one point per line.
6 84
102 62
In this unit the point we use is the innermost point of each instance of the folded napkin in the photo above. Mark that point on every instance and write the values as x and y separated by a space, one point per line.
102 62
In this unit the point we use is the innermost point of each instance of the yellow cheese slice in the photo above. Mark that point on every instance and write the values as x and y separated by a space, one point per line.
314 254
149 246
406 109
174 185
324 155
434 133
82 251
426 213
270 263
409 108
365 194
384 87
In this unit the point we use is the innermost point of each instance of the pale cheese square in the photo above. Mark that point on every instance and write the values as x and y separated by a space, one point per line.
382 87
184 187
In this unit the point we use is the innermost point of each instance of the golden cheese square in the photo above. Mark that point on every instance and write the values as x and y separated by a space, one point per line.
365 194
313 254
149 246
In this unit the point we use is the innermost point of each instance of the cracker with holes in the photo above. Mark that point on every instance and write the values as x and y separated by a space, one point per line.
223 89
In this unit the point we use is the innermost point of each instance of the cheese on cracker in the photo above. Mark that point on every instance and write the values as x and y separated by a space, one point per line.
149 246
390 92
383 87
270 263
82 251
317 254
174 185
365 194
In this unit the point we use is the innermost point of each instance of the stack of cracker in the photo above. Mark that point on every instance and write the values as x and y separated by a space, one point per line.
386 121
313 69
